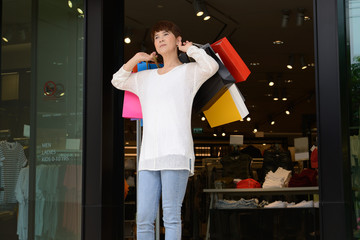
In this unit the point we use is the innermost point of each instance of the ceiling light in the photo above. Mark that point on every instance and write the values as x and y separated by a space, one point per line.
287 112
291 62
236 130
307 18
300 17
203 118
206 15
272 122
127 40
278 42
311 64
248 119
215 135
285 18
5 39
264 144
254 64
198 7
271 81
302 62
70 4
284 95
276 94
256 128
80 11
288 81
223 134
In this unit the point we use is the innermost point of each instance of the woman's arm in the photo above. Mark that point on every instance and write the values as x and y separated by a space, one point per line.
123 79
205 66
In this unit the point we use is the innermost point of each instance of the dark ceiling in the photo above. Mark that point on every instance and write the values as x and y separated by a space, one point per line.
251 27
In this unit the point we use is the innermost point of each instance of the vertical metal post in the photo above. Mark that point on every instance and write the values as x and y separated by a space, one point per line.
157 225
138 146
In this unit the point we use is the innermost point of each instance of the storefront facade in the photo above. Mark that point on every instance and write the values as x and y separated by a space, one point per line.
66 114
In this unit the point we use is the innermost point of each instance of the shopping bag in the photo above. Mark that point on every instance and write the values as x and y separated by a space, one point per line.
215 86
231 59
230 107
131 105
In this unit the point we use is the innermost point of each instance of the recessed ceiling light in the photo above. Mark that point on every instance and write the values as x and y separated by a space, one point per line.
254 64
272 122
278 42
268 94
5 39
287 112
311 64
80 11
203 118
288 81
127 40
248 119
70 4
307 18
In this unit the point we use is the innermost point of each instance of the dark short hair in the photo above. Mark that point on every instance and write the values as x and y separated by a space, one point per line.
165 25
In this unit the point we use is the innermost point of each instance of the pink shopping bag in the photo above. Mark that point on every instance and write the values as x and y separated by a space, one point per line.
131 106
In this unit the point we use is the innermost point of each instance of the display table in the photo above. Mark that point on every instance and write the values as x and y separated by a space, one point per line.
214 195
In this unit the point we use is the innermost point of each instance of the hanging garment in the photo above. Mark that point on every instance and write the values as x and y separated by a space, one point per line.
236 165
22 196
275 158
13 160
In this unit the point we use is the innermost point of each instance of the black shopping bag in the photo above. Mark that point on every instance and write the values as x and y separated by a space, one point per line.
214 87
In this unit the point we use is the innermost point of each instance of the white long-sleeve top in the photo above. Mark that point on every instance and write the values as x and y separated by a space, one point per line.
166 102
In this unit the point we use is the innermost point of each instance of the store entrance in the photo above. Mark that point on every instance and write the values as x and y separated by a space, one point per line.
278 151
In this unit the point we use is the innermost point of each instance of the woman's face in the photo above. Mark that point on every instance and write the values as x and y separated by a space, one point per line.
166 42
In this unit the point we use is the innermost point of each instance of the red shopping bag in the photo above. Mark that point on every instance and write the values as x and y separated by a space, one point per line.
231 59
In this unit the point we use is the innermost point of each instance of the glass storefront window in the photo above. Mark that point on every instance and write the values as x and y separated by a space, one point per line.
353 21
41 91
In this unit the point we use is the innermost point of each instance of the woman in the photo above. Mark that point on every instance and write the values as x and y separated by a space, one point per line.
166 96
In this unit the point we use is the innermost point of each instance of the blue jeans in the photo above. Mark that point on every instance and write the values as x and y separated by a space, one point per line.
172 185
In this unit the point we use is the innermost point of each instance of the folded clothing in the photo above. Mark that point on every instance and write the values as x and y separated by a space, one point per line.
278 179
232 204
303 204
248 183
281 204
307 178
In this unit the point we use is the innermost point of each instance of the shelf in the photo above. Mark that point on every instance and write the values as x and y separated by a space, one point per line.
267 191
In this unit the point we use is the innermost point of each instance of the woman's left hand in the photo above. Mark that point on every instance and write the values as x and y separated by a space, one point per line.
184 46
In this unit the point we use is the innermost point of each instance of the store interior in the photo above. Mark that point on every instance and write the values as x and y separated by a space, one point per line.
276 42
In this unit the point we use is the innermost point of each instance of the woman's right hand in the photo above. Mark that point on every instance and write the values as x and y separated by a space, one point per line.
139 57
144 57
